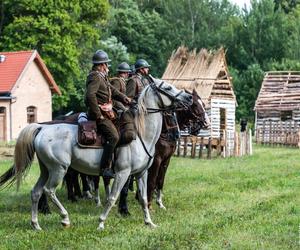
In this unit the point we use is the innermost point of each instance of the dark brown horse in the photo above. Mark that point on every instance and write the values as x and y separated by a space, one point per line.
193 119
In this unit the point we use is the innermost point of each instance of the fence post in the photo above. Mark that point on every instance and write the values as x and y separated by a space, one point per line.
250 142
193 149
209 148
201 148
263 132
185 146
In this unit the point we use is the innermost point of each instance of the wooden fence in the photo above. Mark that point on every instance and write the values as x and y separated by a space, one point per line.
275 133
207 147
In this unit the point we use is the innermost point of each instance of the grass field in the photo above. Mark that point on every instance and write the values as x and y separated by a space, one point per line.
236 203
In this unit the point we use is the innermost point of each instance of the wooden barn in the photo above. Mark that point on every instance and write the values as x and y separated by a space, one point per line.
277 108
207 72
26 89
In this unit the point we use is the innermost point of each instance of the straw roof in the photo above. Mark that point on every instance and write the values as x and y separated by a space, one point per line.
205 71
280 90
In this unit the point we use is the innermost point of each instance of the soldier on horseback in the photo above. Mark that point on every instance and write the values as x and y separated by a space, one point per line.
139 80
119 82
98 99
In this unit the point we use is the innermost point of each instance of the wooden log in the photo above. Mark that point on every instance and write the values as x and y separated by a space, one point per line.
178 146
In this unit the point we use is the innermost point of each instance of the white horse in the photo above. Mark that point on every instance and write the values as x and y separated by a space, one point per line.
56 149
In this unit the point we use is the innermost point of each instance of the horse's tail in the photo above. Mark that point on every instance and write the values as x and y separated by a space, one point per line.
23 156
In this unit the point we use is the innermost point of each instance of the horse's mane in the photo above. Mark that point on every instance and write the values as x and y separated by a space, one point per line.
142 110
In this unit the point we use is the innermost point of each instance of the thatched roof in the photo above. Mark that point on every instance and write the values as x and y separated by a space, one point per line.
205 71
280 90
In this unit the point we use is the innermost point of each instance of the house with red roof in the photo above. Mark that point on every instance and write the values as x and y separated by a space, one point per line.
26 89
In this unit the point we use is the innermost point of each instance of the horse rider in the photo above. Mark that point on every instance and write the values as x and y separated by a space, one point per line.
139 80
98 99
119 82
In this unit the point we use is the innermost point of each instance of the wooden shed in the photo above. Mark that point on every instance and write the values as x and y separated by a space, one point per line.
277 107
207 72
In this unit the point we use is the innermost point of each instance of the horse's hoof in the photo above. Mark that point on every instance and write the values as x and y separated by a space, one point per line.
162 207
151 225
66 225
87 195
66 222
101 226
124 213
35 226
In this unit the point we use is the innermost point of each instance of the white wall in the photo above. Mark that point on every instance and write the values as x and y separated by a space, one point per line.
31 90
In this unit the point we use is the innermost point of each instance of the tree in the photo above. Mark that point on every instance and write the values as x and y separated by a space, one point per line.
62 32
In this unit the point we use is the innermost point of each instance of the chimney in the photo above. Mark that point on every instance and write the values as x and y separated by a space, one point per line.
2 58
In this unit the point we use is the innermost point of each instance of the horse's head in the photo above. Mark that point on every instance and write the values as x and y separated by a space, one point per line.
169 95
195 117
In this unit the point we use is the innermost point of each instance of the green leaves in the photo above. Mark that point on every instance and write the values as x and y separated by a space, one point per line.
57 30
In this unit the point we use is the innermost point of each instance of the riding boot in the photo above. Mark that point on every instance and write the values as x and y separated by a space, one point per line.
106 161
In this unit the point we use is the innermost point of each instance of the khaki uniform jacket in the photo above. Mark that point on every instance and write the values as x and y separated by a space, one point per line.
99 91
120 84
135 85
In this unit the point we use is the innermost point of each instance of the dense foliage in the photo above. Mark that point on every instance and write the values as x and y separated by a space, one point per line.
261 38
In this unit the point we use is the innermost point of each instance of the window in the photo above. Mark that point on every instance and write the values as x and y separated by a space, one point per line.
286 115
31 114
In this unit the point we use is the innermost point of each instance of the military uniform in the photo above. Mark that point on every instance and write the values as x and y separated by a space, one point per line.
135 85
120 84
100 91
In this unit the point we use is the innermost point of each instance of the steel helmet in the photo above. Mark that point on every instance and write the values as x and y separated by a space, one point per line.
123 67
100 56
141 63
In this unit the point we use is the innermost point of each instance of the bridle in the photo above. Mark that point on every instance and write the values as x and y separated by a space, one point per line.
158 90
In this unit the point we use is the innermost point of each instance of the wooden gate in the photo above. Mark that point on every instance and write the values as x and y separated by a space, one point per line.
2 124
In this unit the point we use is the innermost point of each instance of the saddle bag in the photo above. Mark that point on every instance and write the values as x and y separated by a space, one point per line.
87 132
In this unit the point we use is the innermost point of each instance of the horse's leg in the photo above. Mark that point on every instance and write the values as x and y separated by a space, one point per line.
69 178
123 207
152 177
96 180
36 194
142 185
85 187
119 181
106 182
55 177
160 183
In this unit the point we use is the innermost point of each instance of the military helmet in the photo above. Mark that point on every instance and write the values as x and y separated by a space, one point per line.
100 56
123 67
141 63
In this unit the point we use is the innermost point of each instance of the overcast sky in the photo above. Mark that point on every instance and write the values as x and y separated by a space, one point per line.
241 3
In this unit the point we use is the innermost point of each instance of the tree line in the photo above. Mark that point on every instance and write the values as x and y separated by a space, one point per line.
66 33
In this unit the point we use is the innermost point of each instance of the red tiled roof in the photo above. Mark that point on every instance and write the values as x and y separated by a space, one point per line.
15 63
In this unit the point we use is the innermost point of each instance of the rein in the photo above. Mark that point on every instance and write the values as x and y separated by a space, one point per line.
158 91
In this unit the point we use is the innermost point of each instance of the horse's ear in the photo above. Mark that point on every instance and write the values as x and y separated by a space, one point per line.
186 91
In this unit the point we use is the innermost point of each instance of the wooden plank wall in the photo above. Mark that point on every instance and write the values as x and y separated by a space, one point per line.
208 147
274 131
230 106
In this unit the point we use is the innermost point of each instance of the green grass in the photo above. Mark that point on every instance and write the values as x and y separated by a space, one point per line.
236 203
